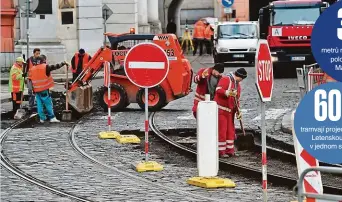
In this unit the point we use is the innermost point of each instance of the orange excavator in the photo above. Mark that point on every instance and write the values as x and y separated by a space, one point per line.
176 85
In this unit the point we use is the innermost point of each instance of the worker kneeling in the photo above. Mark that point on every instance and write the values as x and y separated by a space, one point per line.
227 97
42 81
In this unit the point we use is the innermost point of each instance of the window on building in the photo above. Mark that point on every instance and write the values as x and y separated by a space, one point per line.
67 17
44 7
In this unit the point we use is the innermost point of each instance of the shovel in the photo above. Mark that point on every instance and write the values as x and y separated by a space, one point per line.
20 113
66 114
245 141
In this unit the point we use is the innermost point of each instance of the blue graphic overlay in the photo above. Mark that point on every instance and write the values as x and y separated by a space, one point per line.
318 122
227 3
326 41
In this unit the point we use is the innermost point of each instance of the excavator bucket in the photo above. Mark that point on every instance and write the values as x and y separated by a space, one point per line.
81 99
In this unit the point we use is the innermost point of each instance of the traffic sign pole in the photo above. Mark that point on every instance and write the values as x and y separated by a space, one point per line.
264 85
264 156
146 124
109 99
146 65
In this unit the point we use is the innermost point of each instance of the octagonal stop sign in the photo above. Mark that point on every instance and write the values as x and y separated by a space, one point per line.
264 71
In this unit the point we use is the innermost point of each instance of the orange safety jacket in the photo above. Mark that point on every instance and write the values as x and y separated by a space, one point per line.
84 62
199 30
208 32
39 79
226 103
16 83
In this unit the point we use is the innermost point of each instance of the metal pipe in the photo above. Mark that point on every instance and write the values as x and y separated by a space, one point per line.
321 169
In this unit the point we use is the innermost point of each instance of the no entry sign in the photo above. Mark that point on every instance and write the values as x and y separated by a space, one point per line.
264 71
146 65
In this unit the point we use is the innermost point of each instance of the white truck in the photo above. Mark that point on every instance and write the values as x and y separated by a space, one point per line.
236 41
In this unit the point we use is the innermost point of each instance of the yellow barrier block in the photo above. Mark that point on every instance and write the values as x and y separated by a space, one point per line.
212 182
109 135
125 139
149 166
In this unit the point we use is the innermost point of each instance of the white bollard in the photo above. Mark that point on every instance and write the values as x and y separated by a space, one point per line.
207 138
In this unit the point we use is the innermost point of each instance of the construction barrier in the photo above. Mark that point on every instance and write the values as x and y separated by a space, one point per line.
207 147
311 197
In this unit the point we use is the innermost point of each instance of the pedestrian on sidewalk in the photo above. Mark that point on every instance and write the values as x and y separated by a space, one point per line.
171 27
79 62
33 60
227 91
206 80
42 81
16 83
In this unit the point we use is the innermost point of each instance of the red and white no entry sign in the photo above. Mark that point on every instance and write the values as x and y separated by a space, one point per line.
264 71
146 65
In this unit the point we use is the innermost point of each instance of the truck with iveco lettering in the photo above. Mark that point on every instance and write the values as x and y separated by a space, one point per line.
287 26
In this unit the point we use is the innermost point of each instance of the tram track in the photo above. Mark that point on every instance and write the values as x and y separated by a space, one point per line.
7 164
247 170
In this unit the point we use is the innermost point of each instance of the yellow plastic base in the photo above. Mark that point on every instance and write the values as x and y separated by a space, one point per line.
213 182
149 166
124 139
109 135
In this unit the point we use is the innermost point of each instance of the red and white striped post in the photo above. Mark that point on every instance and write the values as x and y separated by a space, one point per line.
107 81
264 156
146 124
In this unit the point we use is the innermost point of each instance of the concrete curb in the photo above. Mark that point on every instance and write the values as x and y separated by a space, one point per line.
286 123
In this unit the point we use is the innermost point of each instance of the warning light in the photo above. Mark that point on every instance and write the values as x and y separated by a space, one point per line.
132 31
237 20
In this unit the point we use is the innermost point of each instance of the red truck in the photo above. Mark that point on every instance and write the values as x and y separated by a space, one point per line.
287 26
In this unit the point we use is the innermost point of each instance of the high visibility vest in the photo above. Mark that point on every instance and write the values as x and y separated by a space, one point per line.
39 79
84 62
199 30
208 33
16 85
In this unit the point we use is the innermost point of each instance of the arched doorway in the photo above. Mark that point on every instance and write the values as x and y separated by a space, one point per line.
174 13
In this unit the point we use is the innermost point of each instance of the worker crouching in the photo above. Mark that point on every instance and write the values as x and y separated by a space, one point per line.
228 89
206 80
42 81
16 83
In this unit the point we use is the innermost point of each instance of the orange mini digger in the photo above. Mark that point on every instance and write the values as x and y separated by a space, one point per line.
176 85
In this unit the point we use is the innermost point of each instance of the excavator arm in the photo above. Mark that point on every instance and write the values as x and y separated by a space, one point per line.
104 54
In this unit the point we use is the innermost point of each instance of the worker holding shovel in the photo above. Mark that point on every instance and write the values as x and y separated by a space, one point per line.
16 83
227 97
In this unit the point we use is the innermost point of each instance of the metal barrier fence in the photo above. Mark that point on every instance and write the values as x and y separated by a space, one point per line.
309 77
325 197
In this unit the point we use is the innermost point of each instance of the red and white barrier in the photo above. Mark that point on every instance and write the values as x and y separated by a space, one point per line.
313 180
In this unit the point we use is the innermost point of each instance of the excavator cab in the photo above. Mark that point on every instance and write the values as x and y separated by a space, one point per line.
176 85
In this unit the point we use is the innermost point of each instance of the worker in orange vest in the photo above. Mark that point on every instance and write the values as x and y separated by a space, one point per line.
198 36
16 83
79 62
206 80
227 97
208 37
42 81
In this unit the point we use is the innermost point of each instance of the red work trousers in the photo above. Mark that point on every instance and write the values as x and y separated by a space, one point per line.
226 132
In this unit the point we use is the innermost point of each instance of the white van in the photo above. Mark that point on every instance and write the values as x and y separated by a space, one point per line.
236 41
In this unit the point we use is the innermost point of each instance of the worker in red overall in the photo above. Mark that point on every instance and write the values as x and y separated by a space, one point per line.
228 89
207 80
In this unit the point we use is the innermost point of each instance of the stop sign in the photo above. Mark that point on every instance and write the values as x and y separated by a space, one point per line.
146 65
264 71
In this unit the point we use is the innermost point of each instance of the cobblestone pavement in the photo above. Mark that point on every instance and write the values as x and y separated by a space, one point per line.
45 153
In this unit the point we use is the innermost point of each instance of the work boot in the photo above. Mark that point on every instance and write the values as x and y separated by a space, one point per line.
54 120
